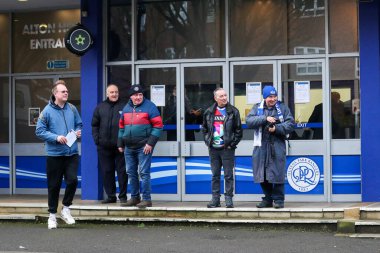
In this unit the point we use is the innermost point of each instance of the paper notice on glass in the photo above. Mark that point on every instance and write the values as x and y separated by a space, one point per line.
157 94
71 137
301 92
253 92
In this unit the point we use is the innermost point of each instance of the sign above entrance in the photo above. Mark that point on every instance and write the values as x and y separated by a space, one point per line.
78 40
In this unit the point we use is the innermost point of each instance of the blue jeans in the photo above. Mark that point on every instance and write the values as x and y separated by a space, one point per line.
137 163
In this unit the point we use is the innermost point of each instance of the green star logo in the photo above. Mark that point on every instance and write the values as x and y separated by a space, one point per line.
80 40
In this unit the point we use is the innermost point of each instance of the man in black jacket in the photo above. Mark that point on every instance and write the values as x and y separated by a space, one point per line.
105 127
222 132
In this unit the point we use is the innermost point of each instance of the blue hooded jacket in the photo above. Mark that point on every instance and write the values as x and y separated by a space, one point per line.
55 121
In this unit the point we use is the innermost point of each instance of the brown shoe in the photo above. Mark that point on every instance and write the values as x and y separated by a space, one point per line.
144 204
131 202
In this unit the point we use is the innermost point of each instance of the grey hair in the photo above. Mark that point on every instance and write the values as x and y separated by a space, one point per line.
217 89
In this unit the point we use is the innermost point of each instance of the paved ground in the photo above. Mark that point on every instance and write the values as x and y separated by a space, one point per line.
20 237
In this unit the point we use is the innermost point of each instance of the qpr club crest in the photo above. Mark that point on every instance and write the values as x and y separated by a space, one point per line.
303 174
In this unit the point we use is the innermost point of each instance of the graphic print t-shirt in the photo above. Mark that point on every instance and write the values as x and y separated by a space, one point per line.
220 115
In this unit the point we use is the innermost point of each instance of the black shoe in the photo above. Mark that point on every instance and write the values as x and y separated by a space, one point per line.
264 204
123 200
109 200
214 202
278 204
144 204
131 202
229 202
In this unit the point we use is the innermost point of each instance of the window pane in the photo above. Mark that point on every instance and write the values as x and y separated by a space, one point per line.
276 27
345 98
167 77
343 26
180 29
242 75
4 112
309 115
4 39
119 31
122 77
39 37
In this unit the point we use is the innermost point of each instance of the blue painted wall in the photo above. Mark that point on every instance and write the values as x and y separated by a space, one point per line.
91 95
370 95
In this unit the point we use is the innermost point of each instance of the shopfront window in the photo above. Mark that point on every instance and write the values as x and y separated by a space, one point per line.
180 29
119 31
345 98
38 41
4 42
277 27
4 111
122 77
343 26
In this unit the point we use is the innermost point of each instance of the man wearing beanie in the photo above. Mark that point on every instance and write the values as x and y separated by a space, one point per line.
272 122
140 127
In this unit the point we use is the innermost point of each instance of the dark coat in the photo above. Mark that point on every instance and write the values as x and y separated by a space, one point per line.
272 153
105 123
232 126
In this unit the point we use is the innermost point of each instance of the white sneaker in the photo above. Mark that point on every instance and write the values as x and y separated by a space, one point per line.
66 216
52 222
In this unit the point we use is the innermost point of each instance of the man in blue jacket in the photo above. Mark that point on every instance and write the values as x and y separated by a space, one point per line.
59 125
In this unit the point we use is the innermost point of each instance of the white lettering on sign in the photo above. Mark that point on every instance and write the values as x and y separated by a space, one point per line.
34 29
46 43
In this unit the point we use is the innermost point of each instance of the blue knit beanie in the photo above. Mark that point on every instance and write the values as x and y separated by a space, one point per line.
268 91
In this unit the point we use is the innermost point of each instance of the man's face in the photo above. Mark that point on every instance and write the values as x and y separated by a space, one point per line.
112 93
271 100
221 98
61 94
137 98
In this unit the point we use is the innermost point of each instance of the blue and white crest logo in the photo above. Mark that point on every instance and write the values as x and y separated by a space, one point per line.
303 174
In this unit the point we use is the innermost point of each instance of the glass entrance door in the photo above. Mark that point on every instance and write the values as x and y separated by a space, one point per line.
300 87
180 166
5 147
30 96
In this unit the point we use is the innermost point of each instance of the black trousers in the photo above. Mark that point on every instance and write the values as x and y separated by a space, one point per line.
111 160
58 167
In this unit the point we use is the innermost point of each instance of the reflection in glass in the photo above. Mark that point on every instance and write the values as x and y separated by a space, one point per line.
242 75
30 94
31 97
167 77
180 29
122 77
345 98
119 30
4 112
308 116
343 26
276 27
200 83
4 42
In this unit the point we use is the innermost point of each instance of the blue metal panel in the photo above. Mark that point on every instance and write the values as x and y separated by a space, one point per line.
164 175
4 172
198 176
370 92
91 95
346 177
31 172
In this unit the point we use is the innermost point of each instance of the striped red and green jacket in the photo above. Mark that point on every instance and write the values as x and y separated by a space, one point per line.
139 125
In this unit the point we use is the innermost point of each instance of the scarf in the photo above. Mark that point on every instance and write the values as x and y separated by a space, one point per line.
258 133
